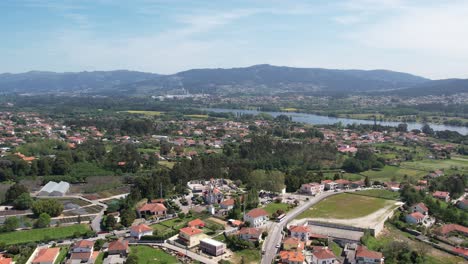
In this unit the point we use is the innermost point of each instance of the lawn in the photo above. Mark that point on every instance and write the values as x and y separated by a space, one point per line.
335 248
100 258
62 255
273 207
345 206
148 254
458 162
379 193
36 235
247 256
389 172
167 164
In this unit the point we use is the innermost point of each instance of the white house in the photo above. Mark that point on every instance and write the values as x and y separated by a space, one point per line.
420 207
141 230
256 217
300 232
312 188
322 255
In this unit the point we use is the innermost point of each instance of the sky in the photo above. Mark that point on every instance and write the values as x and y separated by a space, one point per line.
423 37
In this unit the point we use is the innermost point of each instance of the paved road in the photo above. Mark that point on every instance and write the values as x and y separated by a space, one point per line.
275 232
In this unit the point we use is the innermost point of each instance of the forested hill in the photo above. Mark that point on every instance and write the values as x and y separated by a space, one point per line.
258 79
438 87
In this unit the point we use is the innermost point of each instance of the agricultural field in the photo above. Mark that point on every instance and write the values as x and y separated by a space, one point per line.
147 113
456 163
379 193
36 235
392 172
345 206
148 254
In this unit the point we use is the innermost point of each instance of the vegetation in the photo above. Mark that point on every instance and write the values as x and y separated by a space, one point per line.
44 234
146 254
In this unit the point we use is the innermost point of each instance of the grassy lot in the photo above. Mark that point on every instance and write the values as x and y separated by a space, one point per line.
100 258
148 113
169 225
221 238
347 176
343 206
62 255
247 256
148 254
336 248
36 235
273 207
197 116
389 172
457 162
167 164
379 193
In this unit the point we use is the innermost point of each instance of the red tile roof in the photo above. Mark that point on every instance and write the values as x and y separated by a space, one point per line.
228 202
417 215
423 206
141 228
363 252
293 256
153 207
462 251
196 223
4 260
440 194
250 231
323 253
118 245
257 212
84 244
294 242
445 229
299 229
46 255
190 231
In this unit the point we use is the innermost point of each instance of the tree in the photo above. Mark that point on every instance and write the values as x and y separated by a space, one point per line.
127 217
49 206
23 202
367 181
11 224
110 222
15 191
43 220
132 259
426 129
402 127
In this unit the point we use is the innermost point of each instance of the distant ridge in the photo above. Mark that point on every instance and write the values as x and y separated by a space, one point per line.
260 79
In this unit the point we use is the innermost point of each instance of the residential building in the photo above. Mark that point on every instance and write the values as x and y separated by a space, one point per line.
312 188
213 195
420 207
366 256
250 234
114 259
292 243
141 230
300 232
256 217
191 236
82 252
152 210
463 204
329 184
444 196
5 260
227 204
212 247
292 257
322 255
414 218
197 223
342 184
46 256
118 247
448 229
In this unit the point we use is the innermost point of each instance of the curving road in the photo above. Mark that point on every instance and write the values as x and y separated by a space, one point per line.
275 233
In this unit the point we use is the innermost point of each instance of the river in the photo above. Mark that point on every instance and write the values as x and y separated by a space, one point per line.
326 120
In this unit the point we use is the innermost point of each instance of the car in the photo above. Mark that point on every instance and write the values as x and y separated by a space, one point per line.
278 246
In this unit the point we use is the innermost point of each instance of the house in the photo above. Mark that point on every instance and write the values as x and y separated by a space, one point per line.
420 207
292 257
463 204
366 256
342 184
358 184
197 223
329 184
312 188
227 204
118 247
444 196
152 210
213 195
191 236
292 243
322 255
300 232
463 252
414 218
256 217
250 233
446 230
212 247
82 252
46 256
141 230
392 186
4 260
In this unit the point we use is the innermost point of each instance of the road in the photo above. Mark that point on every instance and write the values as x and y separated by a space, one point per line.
275 233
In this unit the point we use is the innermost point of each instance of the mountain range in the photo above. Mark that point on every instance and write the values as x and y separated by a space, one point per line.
255 80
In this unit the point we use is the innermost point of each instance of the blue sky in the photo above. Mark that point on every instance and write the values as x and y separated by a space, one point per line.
428 38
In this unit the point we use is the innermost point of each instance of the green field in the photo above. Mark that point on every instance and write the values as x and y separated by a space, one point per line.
148 254
36 235
273 207
389 172
380 193
345 206
148 113
248 256
458 162
167 164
